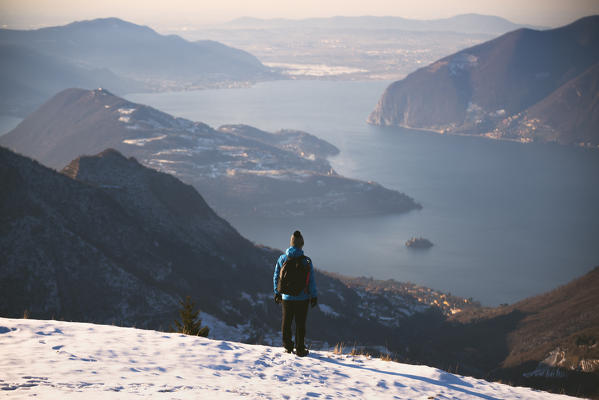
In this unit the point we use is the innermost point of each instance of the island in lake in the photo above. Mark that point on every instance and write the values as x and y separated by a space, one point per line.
419 243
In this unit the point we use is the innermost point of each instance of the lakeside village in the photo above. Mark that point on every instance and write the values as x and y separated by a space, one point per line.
421 296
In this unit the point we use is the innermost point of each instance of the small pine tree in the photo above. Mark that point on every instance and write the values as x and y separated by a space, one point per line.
188 324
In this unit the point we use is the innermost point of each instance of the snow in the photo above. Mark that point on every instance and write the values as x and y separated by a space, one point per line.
125 114
143 141
328 310
219 329
67 360
126 111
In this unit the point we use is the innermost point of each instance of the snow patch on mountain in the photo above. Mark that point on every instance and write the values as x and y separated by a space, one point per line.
143 141
328 310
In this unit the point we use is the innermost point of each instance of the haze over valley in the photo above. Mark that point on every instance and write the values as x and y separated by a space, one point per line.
355 48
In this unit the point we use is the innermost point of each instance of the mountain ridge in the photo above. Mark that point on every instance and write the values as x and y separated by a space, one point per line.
114 53
478 89
466 23
117 44
274 172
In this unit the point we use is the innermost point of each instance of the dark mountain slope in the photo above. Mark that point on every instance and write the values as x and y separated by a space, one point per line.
547 341
240 170
123 246
475 89
568 115
109 240
558 314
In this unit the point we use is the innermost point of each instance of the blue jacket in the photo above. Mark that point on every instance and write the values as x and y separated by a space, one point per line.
294 252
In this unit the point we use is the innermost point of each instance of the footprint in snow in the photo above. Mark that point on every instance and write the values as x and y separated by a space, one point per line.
56 330
73 357
170 390
382 384
219 367
341 374
262 363
224 346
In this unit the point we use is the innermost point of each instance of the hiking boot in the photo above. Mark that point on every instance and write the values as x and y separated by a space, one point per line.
288 347
302 352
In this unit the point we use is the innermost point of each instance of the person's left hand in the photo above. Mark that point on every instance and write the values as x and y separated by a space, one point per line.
278 298
313 302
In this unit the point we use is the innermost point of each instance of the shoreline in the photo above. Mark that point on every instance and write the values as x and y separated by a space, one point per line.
487 136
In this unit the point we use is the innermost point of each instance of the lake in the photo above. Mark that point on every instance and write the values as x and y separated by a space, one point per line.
507 220
8 123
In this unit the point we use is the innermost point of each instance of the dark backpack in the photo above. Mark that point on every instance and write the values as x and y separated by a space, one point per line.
294 276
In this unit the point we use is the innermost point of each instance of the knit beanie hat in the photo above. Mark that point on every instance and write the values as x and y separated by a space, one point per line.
297 240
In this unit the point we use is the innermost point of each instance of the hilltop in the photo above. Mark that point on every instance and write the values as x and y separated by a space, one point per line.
58 359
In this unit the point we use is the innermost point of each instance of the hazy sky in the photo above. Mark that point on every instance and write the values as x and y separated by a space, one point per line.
170 14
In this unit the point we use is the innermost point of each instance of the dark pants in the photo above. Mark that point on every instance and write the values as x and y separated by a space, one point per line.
298 310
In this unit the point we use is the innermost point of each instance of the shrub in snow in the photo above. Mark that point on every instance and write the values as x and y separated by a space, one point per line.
190 324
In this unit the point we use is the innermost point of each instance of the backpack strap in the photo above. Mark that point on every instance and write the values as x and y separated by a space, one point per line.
308 275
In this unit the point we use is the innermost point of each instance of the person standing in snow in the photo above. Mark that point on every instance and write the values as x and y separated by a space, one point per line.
295 288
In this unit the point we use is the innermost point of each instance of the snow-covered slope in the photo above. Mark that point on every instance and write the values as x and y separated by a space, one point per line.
53 359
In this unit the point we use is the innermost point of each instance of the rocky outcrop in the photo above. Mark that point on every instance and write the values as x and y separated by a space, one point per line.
419 243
